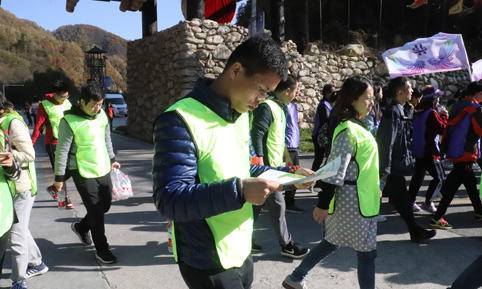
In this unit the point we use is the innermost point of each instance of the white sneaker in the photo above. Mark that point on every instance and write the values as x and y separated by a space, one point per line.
416 208
312 189
288 283
429 208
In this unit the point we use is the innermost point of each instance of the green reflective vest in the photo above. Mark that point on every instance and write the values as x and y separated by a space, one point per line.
55 113
31 165
222 153
89 137
480 188
366 158
275 142
6 199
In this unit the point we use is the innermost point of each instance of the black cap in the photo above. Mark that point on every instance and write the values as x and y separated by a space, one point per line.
431 93
473 88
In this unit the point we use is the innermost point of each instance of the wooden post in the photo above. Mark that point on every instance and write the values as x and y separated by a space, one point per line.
195 9
348 20
149 18
282 20
305 32
321 21
252 20
380 19
277 20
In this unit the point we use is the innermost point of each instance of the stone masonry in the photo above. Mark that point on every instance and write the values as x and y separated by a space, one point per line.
164 67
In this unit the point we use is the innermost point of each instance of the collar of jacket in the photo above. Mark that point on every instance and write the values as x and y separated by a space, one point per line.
203 93
75 110
273 97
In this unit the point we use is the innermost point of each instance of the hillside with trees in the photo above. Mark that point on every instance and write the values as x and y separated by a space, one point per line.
31 55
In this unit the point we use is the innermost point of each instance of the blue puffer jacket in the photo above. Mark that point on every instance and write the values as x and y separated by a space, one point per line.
178 193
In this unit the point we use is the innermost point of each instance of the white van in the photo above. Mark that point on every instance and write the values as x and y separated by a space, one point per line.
118 103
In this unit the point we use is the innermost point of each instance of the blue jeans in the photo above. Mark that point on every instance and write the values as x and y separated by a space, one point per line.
366 264
471 278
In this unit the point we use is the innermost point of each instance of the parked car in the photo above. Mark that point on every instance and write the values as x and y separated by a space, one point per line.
118 103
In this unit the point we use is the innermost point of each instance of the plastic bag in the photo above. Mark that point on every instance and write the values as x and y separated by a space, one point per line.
121 185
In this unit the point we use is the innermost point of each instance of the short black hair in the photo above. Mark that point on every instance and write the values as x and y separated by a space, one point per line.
60 86
91 92
4 103
260 54
290 82
473 88
396 84
327 89
417 93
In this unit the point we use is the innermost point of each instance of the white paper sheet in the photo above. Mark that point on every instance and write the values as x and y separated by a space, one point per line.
328 170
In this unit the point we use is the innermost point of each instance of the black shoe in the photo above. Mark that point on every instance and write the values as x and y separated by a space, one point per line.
106 257
294 209
255 248
83 237
293 251
422 235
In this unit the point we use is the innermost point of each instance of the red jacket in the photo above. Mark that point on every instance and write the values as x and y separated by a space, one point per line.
42 121
110 111
436 125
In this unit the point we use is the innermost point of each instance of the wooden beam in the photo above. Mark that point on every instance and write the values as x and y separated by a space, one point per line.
195 9
277 20
70 5
149 18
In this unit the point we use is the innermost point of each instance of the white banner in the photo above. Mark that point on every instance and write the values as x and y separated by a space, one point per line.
477 70
439 53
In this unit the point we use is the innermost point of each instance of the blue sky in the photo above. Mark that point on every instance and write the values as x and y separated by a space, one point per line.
50 14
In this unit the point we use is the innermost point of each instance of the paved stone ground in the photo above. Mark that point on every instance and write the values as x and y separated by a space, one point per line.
137 234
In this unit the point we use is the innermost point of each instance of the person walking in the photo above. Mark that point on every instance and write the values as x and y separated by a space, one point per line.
292 141
461 145
26 256
50 112
393 138
110 115
268 137
9 170
28 114
84 151
203 180
350 199
322 115
429 124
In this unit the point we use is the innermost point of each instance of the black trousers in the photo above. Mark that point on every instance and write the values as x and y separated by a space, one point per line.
50 148
319 155
435 169
396 190
462 173
471 278
290 194
234 278
96 195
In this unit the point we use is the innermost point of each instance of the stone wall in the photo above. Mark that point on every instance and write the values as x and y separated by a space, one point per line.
162 68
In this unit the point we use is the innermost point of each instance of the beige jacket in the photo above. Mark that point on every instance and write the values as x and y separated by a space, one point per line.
23 151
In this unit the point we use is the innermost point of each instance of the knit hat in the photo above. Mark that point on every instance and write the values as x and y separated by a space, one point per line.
431 93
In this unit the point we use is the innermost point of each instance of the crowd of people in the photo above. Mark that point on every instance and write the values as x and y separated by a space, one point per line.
211 146
77 141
